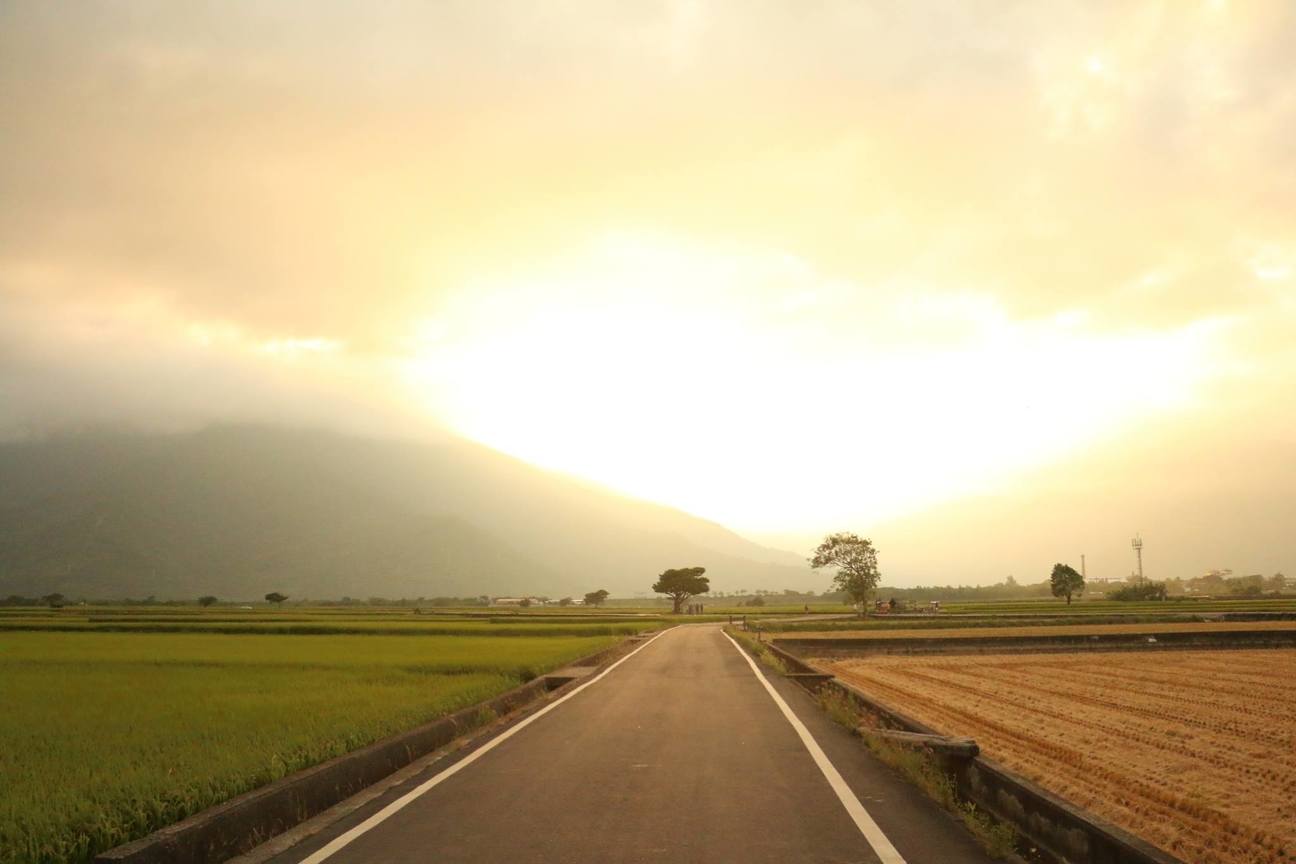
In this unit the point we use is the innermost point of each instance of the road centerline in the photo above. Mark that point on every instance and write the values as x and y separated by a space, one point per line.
859 815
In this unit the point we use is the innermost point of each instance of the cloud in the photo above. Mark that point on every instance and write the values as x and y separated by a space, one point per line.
299 209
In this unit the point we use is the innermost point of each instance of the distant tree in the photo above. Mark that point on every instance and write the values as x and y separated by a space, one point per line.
855 560
756 601
54 600
565 601
526 602
681 584
1278 582
275 597
1066 581
596 598
1010 581
208 600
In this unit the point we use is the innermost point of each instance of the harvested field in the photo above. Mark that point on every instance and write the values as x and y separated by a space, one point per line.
1048 630
1195 751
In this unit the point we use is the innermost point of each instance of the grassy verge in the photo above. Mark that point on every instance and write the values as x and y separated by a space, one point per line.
921 768
917 766
108 736
758 649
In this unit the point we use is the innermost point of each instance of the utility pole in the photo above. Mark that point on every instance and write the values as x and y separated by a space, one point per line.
1137 544
1084 574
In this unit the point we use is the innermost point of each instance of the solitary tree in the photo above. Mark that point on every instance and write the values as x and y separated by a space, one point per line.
681 584
526 601
856 562
1065 581
596 598
54 600
275 597
209 600
566 601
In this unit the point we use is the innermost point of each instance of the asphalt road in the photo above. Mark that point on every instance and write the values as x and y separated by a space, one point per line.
680 753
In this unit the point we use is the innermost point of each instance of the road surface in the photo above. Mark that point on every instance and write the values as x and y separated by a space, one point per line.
682 752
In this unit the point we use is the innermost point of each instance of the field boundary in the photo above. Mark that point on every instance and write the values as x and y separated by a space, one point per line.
1051 823
1151 640
240 824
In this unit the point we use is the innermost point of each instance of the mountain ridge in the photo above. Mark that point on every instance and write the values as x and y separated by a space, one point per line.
237 511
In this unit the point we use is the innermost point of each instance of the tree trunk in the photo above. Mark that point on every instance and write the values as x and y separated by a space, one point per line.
679 601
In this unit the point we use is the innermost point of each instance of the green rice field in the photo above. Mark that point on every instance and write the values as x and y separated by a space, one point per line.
108 735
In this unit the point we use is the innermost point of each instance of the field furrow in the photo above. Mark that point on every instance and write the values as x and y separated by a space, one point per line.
1191 750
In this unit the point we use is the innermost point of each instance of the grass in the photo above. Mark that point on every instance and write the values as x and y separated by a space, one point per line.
359 627
107 736
1049 629
920 768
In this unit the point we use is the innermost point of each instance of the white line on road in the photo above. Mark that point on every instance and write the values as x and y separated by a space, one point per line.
872 833
391 809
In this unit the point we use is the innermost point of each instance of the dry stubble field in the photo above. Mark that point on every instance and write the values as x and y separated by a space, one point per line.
1195 751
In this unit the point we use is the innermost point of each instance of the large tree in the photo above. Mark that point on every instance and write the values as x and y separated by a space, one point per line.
855 560
208 600
681 584
275 597
1065 581
596 598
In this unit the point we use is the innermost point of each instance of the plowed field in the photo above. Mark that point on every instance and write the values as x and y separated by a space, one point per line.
1195 751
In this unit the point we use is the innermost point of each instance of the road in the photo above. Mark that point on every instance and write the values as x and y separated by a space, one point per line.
682 752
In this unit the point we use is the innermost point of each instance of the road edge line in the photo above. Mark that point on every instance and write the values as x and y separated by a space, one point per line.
345 839
882 847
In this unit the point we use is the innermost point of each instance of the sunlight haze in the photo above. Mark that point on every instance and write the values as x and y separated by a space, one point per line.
995 284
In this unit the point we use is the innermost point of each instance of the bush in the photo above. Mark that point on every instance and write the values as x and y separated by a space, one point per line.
1139 591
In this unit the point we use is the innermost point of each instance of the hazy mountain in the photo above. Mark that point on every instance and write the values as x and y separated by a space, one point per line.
239 511
1216 494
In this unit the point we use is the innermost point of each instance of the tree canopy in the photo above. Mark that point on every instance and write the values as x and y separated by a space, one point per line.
207 600
596 598
856 562
275 597
681 584
1065 581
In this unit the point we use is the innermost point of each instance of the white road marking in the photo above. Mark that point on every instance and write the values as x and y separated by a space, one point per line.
400 803
872 833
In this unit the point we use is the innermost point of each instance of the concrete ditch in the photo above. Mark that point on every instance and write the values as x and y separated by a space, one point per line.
1062 830
242 823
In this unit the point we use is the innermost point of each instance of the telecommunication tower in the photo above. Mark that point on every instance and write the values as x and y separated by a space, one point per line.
1137 545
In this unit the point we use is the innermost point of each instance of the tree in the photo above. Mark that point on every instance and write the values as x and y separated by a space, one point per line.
681 584
596 598
526 602
54 600
756 601
1065 581
209 600
566 601
856 562
275 597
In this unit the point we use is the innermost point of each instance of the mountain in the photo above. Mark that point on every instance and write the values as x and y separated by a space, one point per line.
237 511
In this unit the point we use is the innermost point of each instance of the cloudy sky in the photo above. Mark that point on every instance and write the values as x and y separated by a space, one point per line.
945 273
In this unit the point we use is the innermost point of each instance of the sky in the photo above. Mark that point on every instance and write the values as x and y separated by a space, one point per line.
993 283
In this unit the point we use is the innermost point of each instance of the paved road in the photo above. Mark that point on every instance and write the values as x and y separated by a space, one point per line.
680 753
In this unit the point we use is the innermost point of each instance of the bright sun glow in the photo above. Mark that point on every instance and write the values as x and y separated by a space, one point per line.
717 381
